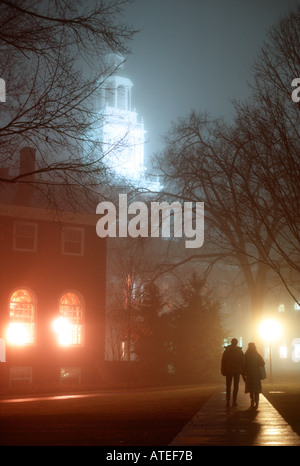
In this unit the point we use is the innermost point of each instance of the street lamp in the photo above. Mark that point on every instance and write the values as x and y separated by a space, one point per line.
63 328
270 330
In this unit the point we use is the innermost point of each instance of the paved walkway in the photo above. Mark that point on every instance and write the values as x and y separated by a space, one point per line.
216 425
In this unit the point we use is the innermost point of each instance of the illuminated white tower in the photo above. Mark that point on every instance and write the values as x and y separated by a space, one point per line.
122 134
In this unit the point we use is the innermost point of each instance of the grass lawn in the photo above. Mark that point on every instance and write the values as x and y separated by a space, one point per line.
285 397
150 417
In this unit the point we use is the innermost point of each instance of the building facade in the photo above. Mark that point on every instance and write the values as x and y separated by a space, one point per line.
52 291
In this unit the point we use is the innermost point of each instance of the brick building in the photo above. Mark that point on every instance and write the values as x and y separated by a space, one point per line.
52 288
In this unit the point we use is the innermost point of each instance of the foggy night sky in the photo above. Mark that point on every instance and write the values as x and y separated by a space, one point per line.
194 54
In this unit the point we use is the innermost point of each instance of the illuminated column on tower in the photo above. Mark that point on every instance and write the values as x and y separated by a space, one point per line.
122 133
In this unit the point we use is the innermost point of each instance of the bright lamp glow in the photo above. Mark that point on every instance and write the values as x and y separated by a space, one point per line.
63 328
270 330
18 334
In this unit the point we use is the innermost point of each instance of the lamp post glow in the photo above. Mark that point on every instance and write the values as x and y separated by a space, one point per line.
270 330
63 328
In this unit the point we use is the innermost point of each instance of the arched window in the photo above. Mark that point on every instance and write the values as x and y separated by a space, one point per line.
69 326
22 315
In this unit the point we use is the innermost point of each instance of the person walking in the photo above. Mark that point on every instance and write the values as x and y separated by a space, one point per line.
232 366
252 374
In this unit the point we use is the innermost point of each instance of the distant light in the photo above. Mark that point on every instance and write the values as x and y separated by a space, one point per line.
296 350
2 350
63 328
283 352
270 330
49 398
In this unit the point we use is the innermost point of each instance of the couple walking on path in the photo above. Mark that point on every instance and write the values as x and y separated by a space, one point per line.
249 365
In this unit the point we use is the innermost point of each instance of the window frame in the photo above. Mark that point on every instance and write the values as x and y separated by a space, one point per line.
34 316
82 324
16 236
64 241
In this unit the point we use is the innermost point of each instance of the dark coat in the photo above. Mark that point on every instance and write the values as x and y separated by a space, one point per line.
253 361
232 361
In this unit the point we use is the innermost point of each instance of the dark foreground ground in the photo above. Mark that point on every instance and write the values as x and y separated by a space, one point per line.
136 417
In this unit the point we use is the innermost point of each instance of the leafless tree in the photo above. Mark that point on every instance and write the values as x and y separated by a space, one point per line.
247 173
53 63
268 128
202 165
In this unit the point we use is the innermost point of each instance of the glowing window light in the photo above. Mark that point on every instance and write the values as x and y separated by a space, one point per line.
123 350
283 352
296 350
68 326
21 328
